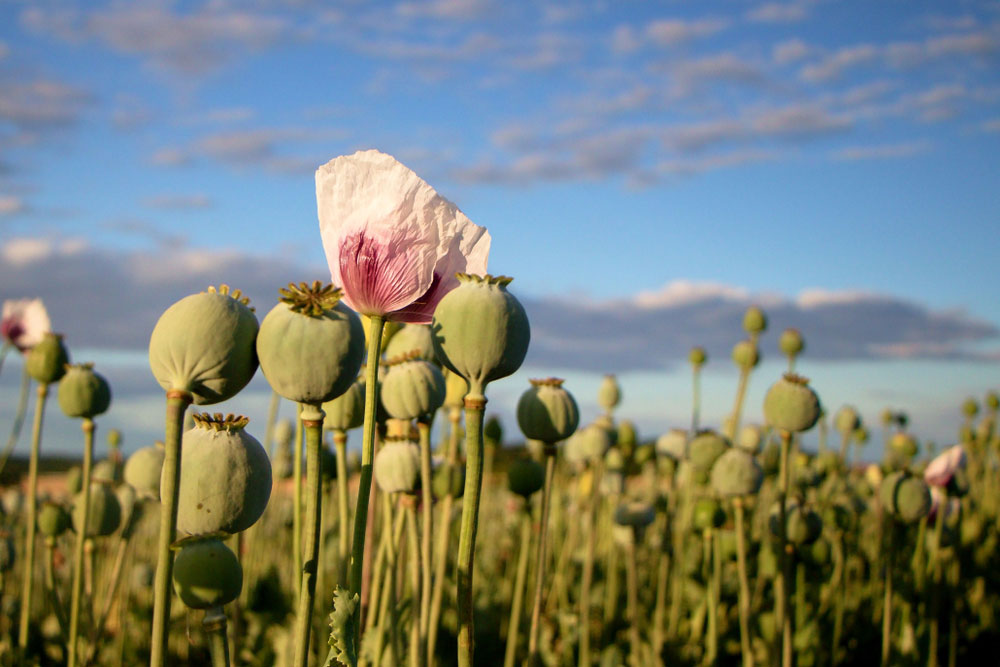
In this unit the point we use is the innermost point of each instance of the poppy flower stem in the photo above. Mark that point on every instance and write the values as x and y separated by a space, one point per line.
536 609
475 406
15 429
311 419
81 538
29 557
522 574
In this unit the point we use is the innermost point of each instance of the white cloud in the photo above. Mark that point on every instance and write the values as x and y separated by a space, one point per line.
671 32
777 12
178 202
448 9
882 151
42 103
681 292
836 63
790 51
11 205
31 250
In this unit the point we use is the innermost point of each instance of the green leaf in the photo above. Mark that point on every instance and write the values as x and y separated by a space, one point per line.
343 630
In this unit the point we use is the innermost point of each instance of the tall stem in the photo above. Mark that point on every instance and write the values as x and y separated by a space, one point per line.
887 599
711 542
517 604
783 615
536 609
81 538
744 590
29 556
177 403
632 597
695 398
272 415
297 448
741 391
444 537
587 577
311 418
427 509
343 518
417 654
214 625
22 409
475 406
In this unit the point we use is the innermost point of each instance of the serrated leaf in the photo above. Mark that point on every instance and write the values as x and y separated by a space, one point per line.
343 630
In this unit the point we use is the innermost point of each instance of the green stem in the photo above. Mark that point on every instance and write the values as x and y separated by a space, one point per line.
15 429
297 450
783 614
311 418
587 577
660 608
7 345
712 652
177 403
214 625
632 597
272 416
536 609
744 590
50 585
741 391
696 399
29 556
935 612
887 599
417 654
427 509
838 609
81 538
116 575
444 537
800 594
517 604
475 406
343 518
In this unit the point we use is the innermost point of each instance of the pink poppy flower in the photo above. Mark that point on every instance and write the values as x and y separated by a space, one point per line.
940 471
24 322
939 497
393 244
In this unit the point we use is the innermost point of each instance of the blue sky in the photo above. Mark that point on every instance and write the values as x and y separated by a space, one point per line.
649 167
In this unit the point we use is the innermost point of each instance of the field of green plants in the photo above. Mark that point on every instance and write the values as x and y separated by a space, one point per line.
396 522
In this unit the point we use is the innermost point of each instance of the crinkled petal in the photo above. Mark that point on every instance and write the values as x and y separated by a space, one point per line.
940 471
25 322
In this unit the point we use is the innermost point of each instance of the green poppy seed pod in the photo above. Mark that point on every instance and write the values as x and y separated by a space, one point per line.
770 458
74 480
697 357
412 338
791 405
992 401
46 361
412 388
455 389
142 471
906 496
284 432
791 343
614 460
861 435
205 345
985 429
448 480
736 473
818 553
826 463
114 438
525 476
745 354
480 330
887 489
628 437
105 511
587 445
107 470
803 526
750 438
225 477
310 345
904 444
705 448
127 498
847 420
839 516
635 514
609 393
754 320
53 520
493 430
644 454
708 514
206 572
672 444
970 408
346 411
397 466
142 576
547 412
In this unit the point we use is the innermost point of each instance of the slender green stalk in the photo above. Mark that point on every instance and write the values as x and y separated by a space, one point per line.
272 416
343 518
214 625
115 577
660 607
50 585
712 648
933 632
29 555
517 603
22 409
475 406
611 594
417 646
783 615
7 345
444 538
838 603
744 590
632 597
887 599
379 577
800 593
427 510
733 427
81 538
297 449
177 403
536 609
587 577
696 398
311 419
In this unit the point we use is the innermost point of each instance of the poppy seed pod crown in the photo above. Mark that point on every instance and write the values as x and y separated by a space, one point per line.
705 448
412 387
547 412
609 394
412 338
83 393
791 405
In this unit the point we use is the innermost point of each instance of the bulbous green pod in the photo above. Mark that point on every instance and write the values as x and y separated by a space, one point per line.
225 477
705 448
83 393
970 408
347 411
609 393
547 412
847 420
142 470
635 514
913 499
672 444
745 354
412 388
819 552
903 443
525 477
310 345
114 438
791 342
736 473
74 480
480 330
708 514
614 460
697 357
754 320
127 498
206 572
644 454
493 430
412 338
205 345
628 437
803 526
992 401
107 470
455 389
53 520
750 438
791 405
448 480
46 361
587 445
397 466
105 511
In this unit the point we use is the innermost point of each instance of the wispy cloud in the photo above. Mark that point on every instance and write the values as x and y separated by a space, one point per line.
178 202
11 205
41 104
777 12
882 151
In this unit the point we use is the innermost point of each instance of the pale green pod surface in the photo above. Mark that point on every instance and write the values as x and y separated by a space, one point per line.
46 361
74 480
804 526
644 454
992 401
412 388
609 393
525 477
791 405
284 430
672 444
53 520
107 470
697 356
412 338
791 342
887 490
12 499
547 412
206 573
397 466
83 393
205 344
736 473
635 514
754 320
310 351
595 443
127 498
628 437
614 460
455 389
708 514
912 499
745 354
225 477
347 411
904 444
105 511
847 420
705 448
480 330
142 470
750 438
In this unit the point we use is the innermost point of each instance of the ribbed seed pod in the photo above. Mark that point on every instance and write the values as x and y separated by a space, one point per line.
346 411
83 393
105 511
736 473
705 448
412 387
206 572
397 466
791 405
547 412
412 338
609 393
46 361
672 444
525 477
745 354
142 470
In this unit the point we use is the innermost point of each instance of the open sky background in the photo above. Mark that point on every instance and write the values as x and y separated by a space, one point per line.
646 170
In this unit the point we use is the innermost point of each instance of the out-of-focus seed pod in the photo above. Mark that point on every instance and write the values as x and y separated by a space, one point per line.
225 477
644 454
614 460
107 470
142 576
12 501
745 354
992 401
206 572
791 405
736 473
705 448
887 489
754 320
628 437
839 516
770 458
480 330
904 444
767 625
46 361
791 343
847 420
74 480
126 501
412 387
105 511
525 477
708 513
142 470
906 496
205 345
547 412
697 357
750 438
609 393
803 526
492 430
83 393
672 444
346 411
53 520
970 408
397 466
455 390
448 480
634 514
412 338
818 553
